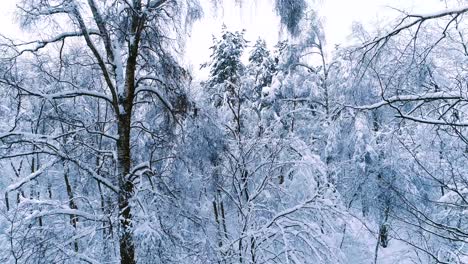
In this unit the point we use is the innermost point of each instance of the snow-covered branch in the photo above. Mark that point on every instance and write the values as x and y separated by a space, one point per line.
412 98
30 177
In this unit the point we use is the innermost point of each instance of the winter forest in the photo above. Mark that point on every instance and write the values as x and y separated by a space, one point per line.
114 150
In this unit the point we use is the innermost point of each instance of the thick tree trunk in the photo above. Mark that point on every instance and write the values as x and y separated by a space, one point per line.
125 105
127 247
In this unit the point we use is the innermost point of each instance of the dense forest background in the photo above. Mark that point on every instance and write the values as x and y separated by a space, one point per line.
113 151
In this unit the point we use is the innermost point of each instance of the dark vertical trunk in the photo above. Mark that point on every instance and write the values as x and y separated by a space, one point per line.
18 175
33 193
127 247
223 219
384 192
124 111
252 249
72 205
7 202
216 215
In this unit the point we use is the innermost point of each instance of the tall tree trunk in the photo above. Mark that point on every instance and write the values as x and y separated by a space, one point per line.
127 247
71 204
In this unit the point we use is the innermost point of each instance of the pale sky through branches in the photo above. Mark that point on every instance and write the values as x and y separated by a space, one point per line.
259 19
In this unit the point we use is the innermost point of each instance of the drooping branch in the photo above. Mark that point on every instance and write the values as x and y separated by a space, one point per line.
40 44
30 177
413 98
418 20
59 95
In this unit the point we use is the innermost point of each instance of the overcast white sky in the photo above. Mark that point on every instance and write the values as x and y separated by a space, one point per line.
258 17
260 20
